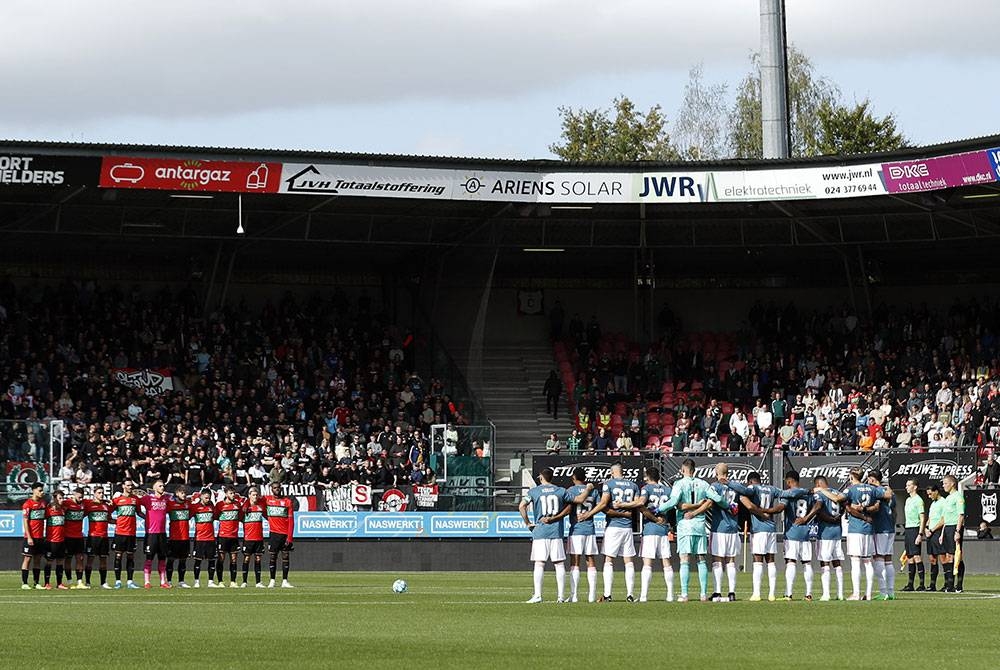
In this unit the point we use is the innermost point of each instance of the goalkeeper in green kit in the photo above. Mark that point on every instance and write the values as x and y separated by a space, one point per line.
692 497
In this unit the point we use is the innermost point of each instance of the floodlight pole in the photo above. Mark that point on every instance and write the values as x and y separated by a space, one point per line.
774 79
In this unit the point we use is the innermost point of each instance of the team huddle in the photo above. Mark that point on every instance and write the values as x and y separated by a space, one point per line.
707 524
55 530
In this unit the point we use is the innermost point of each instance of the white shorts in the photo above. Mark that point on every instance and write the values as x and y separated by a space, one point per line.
655 546
860 544
582 545
883 543
763 543
725 545
619 542
830 550
798 550
547 550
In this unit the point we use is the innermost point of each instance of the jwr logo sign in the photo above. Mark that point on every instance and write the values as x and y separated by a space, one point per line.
909 171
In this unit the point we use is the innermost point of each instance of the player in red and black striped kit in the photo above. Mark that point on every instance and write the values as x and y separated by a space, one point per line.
179 542
98 513
75 546
227 512
252 516
281 519
34 535
203 512
55 540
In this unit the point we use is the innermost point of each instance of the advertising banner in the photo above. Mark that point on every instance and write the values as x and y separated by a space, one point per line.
796 184
739 466
381 182
416 525
980 506
835 467
596 468
41 170
929 468
930 174
179 174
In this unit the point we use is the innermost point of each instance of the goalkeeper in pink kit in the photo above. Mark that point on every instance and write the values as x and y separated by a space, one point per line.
154 509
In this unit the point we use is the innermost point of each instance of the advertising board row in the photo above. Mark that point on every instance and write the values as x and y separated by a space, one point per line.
570 187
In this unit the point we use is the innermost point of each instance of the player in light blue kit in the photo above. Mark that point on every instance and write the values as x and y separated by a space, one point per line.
655 533
884 523
761 501
800 528
829 550
549 504
618 540
724 541
862 502
693 498
582 540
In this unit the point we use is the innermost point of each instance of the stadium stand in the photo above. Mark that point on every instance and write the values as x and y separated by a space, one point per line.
318 391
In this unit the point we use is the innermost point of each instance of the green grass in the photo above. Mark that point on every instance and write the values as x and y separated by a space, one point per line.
478 620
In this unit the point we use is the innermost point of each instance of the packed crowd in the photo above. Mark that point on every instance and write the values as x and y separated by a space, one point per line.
801 380
316 391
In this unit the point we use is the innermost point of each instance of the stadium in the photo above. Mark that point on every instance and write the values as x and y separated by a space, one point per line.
371 386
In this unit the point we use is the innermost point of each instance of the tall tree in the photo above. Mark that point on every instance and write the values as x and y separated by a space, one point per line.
855 129
700 131
622 133
807 93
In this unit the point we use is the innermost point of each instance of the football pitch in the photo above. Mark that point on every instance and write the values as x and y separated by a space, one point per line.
480 620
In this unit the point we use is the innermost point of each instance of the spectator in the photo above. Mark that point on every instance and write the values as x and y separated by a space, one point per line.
624 444
553 445
573 442
602 443
984 532
991 472
552 391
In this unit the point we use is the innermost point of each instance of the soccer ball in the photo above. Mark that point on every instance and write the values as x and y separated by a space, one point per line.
399 586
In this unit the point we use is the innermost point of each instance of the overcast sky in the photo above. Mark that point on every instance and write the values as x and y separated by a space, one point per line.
469 77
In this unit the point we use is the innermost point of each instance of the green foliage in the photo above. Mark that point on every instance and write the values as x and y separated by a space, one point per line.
700 129
855 130
620 134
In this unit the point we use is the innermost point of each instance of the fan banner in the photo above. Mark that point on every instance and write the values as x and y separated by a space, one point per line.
152 383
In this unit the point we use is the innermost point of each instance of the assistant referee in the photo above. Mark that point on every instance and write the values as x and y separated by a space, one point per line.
913 534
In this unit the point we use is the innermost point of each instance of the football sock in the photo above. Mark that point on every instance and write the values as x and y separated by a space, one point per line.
839 572
197 569
232 571
87 574
161 568
181 569
934 575
273 565
574 580
869 577
36 573
703 576
211 568
103 572
147 567
758 575
130 567
960 575
170 571
629 578
220 564
685 577
911 574
824 579
855 575
645 577
949 575
59 574
246 568
592 584
284 566
807 575
560 580
118 568
79 575
717 575
24 575
890 577
772 578
256 568
731 576
668 578
539 574
789 577
48 573
879 565
609 578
